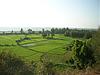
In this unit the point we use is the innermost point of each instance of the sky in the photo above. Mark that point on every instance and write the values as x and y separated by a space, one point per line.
50 13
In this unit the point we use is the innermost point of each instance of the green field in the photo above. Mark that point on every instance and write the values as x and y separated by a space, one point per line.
36 47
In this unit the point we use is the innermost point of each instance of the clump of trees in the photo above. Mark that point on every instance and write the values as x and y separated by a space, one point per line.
79 33
12 65
82 54
48 34
44 34
75 33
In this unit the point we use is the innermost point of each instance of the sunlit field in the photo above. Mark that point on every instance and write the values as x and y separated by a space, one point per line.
35 47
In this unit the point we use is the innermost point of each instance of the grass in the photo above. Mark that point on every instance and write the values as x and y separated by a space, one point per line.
9 39
38 46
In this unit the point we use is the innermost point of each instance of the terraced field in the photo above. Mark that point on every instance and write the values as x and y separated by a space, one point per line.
34 48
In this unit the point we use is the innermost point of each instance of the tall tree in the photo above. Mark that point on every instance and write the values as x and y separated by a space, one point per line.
22 31
44 34
52 32
12 32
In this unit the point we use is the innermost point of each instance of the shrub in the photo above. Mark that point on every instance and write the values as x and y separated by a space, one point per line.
82 54
11 65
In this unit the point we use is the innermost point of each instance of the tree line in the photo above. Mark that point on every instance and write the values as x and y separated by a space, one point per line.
75 33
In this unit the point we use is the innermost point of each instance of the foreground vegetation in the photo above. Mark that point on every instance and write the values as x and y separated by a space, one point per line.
50 53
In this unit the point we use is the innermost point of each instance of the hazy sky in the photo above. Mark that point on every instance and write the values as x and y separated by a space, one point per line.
50 13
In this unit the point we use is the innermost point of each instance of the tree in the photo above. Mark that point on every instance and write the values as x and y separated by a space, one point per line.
3 33
67 33
82 54
52 32
29 31
22 31
12 32
44 34
48 33
43 30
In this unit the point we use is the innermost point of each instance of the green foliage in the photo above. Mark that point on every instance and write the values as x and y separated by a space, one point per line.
12 65
96 39
21 31
96 46
29 31
52 32
76 33
82 54
44 35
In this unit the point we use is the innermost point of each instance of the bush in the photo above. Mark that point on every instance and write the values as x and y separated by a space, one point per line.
82 54
11 65
96 46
